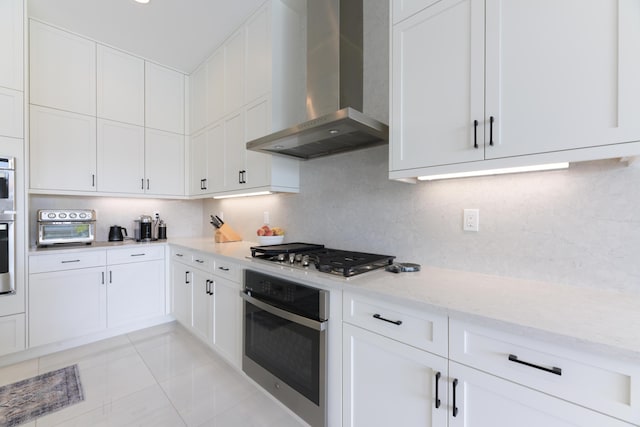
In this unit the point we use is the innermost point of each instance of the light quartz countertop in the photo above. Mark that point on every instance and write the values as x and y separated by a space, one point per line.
598 320
603 321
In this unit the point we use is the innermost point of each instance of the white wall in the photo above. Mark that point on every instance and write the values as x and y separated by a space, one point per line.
580 226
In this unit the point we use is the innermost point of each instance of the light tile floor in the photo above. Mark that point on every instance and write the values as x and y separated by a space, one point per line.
156 377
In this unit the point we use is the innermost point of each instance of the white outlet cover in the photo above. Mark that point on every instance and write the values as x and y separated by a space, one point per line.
471 221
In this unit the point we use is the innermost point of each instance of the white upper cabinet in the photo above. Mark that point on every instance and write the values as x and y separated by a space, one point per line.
11 113
215 86
476 85
120 86
427 132
234 72
62 70
258 54
11 44
120 157
164 99
164 163
573 85
198 98
62 150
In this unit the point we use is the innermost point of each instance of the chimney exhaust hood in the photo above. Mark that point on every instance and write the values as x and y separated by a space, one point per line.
335 123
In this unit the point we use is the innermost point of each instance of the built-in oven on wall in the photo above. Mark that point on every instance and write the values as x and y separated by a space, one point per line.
7 229
285 342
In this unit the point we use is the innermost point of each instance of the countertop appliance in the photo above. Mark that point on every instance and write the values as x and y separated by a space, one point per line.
325 260
117 233
66 226
143 229
285 342
334 99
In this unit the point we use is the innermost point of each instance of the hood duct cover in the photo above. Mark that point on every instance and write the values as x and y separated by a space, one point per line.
335 123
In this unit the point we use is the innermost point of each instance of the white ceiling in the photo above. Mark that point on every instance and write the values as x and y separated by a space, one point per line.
175 33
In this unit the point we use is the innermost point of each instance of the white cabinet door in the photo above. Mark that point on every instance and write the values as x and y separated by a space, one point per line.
386 382
63 150
120 157
573 85
485 400
215 86
257 124
234 151
215 155
258 56
438 86
11 113
120 86
62 70
164 163
234 72
135 292
181 282
202 306
11 44
164 99
66 304
404 8
198 98
227 322
12 334
198 163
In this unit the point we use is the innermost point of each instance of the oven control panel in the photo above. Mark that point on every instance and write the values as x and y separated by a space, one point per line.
66 215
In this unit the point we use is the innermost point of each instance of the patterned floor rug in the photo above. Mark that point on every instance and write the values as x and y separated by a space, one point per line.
26 400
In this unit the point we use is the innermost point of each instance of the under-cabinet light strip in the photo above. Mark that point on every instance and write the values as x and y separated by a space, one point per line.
545 167
258 193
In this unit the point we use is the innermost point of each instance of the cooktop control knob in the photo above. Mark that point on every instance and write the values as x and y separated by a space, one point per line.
292 258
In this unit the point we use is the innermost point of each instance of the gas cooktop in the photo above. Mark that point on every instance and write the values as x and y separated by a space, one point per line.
325 260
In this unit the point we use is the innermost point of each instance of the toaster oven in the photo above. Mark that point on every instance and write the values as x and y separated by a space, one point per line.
66 226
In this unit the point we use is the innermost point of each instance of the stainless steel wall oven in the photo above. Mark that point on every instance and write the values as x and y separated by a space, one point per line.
7 229
285 342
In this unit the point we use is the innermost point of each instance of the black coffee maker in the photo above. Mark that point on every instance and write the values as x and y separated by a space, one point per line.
143 228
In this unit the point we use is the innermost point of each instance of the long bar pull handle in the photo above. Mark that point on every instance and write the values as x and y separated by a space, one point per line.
455 405
438 374
379 317
68 261
475 134
110 276
102 278
186 277
223 268
93 180
142 183
205 183
147 183
553 370
491 120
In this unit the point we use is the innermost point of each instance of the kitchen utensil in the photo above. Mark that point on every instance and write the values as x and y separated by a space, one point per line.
117 233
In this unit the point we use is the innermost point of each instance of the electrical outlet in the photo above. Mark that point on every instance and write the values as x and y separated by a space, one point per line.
471 220
156 214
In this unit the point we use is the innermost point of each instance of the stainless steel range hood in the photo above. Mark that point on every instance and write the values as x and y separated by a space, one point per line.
335 123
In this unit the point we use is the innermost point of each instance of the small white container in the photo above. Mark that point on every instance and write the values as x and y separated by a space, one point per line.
270 240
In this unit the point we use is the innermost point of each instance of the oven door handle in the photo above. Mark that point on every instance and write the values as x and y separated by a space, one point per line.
300 320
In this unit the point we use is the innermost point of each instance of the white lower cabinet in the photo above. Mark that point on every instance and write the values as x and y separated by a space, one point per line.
486 400
386 382
81 293
12 336
206 300
135 290
66 304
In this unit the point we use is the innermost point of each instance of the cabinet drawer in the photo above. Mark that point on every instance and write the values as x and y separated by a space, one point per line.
417 328
135 254
69 261
181 255
227 269
202 261
604 384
